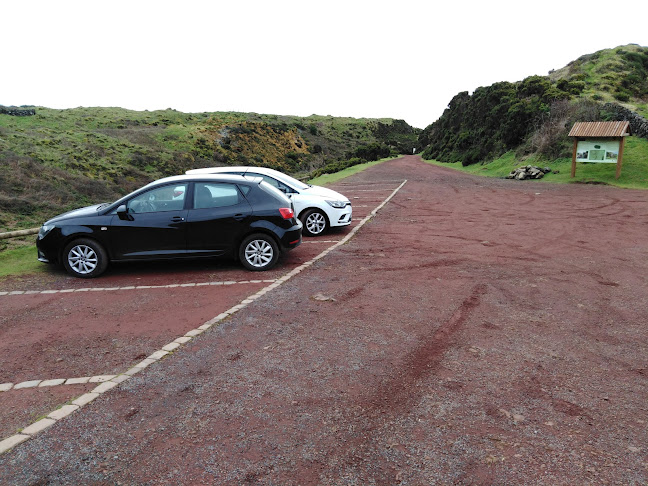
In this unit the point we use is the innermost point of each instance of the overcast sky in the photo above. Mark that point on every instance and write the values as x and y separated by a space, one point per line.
401 59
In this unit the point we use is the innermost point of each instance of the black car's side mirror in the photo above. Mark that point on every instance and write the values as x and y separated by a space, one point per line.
122 212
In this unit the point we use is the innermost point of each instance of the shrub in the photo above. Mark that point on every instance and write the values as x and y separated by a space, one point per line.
374 151
337 166
622 96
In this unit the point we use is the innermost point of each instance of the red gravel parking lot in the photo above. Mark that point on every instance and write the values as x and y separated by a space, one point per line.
475 331
56 326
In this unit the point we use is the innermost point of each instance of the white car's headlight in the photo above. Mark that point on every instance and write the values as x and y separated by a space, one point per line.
46 228
337 204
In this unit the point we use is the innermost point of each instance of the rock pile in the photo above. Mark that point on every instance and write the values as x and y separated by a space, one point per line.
528 172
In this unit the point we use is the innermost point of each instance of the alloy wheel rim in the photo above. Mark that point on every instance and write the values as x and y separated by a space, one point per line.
82 259
315 223
259 253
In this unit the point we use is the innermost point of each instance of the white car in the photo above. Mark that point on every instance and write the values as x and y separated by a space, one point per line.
318 208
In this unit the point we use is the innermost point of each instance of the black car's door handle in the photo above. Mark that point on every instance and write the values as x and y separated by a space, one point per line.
176 219
239 217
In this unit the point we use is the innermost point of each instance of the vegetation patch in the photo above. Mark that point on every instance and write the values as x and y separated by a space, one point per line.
329 178
533 117
20 261
634 174
56 160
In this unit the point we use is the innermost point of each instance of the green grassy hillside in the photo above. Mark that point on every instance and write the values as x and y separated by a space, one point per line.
60 159
617 75
532 118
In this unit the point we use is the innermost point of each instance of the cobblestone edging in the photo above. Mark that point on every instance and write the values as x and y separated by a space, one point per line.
112 381
4 387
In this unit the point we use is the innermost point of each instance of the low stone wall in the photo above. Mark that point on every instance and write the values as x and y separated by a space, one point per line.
638 124
17 111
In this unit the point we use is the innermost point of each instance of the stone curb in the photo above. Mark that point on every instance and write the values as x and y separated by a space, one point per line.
64 411
36 427
11 442
85 399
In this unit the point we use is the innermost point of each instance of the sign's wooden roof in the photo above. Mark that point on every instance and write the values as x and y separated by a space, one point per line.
600 129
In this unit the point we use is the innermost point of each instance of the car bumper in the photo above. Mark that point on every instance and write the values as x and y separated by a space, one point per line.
340 217
46 253
292 237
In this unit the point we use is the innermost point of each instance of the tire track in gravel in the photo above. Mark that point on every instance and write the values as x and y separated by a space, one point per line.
397 394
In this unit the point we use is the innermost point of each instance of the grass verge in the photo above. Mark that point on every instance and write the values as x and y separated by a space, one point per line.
349 171
20 261
634 173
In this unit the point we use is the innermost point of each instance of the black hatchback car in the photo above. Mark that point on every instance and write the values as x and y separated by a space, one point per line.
176 217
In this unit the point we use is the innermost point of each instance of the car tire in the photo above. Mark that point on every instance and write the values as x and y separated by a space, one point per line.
85 258
259 252
314 221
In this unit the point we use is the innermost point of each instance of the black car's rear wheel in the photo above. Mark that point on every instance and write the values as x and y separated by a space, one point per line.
85 258
258 252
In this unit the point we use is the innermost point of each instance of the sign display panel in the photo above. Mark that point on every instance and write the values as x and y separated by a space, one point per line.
600 151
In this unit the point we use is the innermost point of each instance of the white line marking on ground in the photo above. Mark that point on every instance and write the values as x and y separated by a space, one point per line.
376 183
371 190
132 287
103 387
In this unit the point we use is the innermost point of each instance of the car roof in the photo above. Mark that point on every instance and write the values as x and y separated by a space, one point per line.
240 168
203 177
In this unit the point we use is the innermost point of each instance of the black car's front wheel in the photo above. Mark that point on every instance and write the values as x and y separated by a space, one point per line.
85 258
258 252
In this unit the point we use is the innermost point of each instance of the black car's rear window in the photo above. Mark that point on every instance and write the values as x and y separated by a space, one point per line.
275 193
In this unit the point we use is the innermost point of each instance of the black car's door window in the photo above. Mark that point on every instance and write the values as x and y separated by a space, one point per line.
211 195
219 216
155 227
166 198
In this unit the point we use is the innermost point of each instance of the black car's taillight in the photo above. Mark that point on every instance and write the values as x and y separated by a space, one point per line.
287 213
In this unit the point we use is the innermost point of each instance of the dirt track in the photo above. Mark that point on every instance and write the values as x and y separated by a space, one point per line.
477 331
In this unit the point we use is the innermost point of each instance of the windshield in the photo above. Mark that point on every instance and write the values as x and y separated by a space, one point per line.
291 181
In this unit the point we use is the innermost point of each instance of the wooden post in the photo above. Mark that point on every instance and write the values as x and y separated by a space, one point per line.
573 170
620 159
